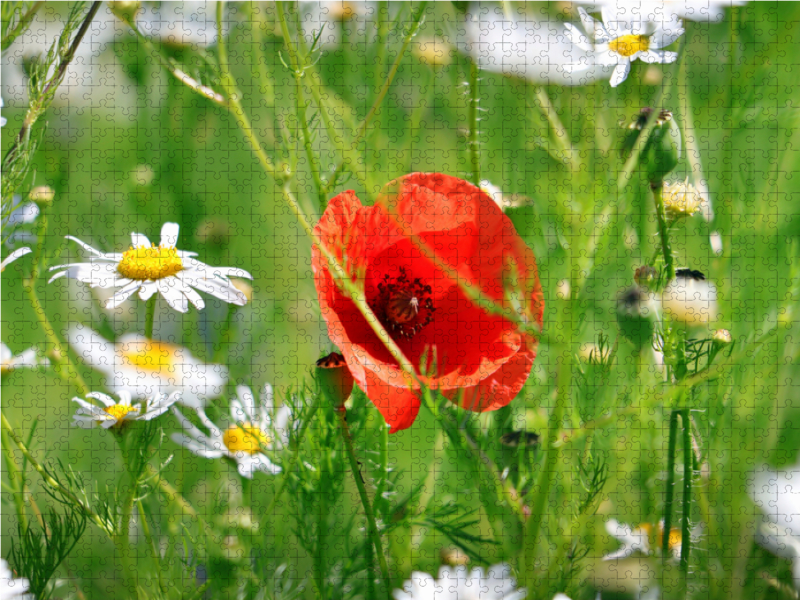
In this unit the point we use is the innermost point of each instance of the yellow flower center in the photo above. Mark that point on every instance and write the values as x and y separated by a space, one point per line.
118 411
656 541
149 356
152 263
681 200
244 438
628 45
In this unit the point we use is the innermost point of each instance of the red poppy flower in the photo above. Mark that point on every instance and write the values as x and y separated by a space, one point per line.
476 359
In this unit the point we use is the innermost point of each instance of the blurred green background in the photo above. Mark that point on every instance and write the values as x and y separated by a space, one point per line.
134 148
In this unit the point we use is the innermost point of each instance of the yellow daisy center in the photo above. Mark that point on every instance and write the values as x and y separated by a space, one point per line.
244 438
152 263
681 200
149 356
657 540
628 45
5 367
118 411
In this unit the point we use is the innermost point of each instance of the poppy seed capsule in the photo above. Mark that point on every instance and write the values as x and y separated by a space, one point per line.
335 379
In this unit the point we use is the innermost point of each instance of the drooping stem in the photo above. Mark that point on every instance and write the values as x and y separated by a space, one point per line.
670 493
362 492
474 155
663 230
150 317
688 473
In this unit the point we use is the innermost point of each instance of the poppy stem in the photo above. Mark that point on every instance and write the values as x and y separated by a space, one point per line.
688 473
362 492
670 494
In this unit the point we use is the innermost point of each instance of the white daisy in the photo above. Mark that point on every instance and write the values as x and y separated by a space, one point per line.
645 539
146 367
188 23
457 583
777 493
329 18
622 38
118 413
12 588
148 269
3 120
532 46
690 299
28 359
254 429
14 256
666 10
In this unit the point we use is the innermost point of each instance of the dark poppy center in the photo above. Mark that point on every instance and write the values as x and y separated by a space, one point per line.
403 305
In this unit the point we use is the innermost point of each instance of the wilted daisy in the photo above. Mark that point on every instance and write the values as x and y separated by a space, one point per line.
253 430
681 199
689 298
527 45
146 367
659 10
458 583
147 269
13 588
114 413
14 256
777 493
28 359
644 538
620 38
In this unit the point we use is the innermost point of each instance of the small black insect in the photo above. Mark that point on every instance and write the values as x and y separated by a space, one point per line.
691 274
520 438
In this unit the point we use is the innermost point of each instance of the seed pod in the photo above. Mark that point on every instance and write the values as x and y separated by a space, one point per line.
335 379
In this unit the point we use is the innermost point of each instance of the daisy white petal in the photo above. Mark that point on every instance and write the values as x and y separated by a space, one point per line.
13 588
169 234
14 256
139 240
620 73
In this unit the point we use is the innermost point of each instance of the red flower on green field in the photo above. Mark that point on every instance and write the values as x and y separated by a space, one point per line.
476 359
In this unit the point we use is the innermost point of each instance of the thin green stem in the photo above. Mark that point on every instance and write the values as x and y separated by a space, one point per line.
20 26
541 501
670 489
569 156
688 473
416 20
41 236
17 481
474 154
72 374
301 105
153 548
150 317
663 230
362 492
48 480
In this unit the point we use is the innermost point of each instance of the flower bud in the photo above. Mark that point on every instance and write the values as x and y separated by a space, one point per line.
453 556
42 195
125 10
335 379
690 299
645 275
662 151
636 316
722 337
681 199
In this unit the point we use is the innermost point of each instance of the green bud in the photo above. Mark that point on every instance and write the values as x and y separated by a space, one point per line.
636 316
335 379
125 10
662 151
42 195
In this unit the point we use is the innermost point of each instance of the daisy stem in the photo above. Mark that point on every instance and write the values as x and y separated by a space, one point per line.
17 481
541 501
670 489
72 374
688 473
362 492
663 230
153 548
569 156
474 154
150 317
